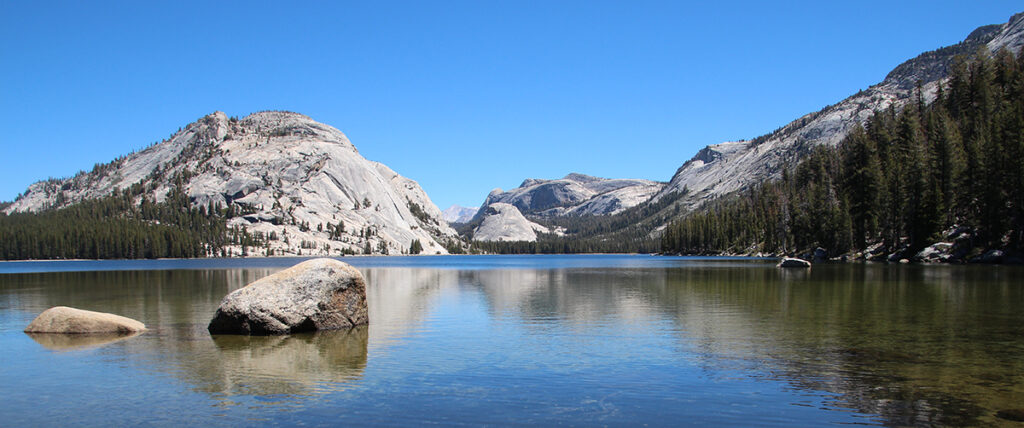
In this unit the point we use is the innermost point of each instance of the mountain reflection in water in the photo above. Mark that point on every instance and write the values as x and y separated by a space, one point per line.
899 345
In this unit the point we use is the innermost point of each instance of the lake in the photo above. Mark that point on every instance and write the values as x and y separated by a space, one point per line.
529 340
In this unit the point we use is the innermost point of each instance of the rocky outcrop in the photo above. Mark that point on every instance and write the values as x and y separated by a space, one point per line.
319 294
935 253
65 320
286 175
990 257
789 262
504 222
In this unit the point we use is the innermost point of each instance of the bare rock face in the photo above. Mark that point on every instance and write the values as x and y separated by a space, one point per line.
504 222
575 195
65 320
289 174
319 294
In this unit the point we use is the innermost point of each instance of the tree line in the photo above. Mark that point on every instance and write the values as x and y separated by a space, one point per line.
950 168
116 227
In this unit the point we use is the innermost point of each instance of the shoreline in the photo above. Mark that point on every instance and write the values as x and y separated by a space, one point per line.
1011 259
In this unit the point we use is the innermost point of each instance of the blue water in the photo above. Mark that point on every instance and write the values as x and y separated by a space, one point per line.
464 262
528 341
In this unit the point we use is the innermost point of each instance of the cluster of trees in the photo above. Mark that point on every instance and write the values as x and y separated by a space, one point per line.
900 181
115 227
416 247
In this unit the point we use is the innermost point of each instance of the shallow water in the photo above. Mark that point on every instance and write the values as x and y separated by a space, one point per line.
529 340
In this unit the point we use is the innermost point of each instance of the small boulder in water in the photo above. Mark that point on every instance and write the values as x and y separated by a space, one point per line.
790 262
65 320
319 294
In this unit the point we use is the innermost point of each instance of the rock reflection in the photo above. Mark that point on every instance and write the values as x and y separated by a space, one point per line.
914 345
299 364
75 342
399 299
583 297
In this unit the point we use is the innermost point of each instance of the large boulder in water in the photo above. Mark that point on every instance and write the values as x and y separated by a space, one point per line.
65 320
319 294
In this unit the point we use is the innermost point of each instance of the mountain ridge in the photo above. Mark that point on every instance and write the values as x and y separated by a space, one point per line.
719 169
722 169
502 216
288 176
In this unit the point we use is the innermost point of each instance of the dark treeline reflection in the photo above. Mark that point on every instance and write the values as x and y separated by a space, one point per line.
916 345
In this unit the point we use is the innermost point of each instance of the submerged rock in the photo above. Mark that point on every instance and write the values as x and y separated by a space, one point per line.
65 320
789 262
319 294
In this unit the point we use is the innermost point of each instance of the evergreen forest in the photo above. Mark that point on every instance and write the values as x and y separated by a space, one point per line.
951 169
116 227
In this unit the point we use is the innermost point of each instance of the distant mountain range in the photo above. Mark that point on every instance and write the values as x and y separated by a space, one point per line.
501 217
458 214
286 176
724 168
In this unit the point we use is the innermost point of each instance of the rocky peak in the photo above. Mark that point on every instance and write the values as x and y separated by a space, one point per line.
582 178
290 175
285 125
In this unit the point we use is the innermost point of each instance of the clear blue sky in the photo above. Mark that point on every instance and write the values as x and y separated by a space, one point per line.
460 96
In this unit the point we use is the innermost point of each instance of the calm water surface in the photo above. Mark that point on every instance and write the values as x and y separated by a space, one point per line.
529 340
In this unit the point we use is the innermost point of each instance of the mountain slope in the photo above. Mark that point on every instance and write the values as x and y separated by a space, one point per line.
575 195
458 214
723 168
286 175
504 222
